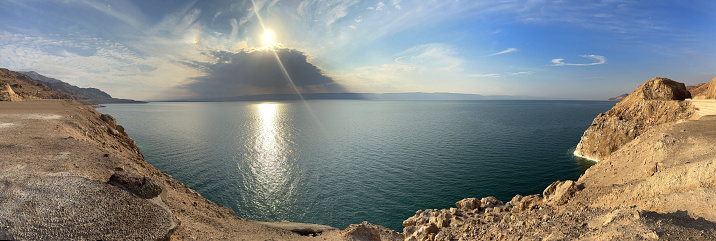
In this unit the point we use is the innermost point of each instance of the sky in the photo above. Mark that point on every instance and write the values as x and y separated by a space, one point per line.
155 50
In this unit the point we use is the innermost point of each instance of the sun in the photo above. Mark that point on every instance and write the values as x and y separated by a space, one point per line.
269 38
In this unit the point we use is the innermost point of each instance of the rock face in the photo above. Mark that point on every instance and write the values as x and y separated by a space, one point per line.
711 91
655 102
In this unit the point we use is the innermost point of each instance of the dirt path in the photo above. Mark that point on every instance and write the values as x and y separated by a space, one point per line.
704 107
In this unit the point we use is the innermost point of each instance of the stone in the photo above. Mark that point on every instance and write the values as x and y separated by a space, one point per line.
370 232
468 204
140 186
528 202
558 193
7 94
490 201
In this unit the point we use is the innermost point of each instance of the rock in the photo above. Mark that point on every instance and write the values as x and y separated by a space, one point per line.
558 192
468 204
370 232
660 89
528 202
140 186
711 91
7 94
655 102
489 202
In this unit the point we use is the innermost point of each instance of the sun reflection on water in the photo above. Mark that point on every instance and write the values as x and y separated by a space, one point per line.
272 178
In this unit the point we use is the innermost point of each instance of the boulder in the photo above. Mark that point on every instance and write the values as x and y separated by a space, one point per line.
490 202
659 89
558 193
468 204
7 94
139 186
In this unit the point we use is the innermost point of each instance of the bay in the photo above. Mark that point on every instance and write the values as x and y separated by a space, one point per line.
341 162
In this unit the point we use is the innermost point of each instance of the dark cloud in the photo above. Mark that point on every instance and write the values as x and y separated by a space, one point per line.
259 72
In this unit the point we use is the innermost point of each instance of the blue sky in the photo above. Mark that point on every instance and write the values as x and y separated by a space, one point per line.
153 50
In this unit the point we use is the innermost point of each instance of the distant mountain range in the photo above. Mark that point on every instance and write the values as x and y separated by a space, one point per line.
359 96
618 98
85 95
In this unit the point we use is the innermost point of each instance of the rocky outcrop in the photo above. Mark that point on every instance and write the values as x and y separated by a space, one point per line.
142 187
370 232
710 93
7 94
655 102
697 90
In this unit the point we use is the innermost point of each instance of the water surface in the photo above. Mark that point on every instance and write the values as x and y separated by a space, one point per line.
339 162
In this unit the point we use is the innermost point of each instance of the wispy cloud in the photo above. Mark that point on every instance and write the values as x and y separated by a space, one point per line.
520 73
484 75
598 58
508 50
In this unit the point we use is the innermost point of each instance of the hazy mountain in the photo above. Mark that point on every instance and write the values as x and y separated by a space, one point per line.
360 96
87 95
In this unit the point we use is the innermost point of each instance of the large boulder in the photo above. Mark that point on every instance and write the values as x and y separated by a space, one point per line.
655 102
659 89
7 94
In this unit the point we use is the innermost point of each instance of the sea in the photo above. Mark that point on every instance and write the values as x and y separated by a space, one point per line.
342 162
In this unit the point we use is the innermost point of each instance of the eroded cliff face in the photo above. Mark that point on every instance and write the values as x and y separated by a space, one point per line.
710 93
658 101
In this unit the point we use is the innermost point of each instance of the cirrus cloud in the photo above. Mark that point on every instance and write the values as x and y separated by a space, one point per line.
508 50
599 60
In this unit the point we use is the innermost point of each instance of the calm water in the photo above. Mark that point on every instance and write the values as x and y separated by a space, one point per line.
345 161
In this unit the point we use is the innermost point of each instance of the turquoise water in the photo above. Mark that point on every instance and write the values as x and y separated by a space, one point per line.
340 162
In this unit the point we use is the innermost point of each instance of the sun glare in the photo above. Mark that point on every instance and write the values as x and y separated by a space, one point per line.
269 38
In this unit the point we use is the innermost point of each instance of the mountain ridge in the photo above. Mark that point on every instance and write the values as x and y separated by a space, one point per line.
83 95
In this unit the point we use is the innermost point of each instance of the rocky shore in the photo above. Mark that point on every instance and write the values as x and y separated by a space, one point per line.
70 172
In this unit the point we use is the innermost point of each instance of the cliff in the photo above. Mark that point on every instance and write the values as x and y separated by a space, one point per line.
655 102
654 181
710 92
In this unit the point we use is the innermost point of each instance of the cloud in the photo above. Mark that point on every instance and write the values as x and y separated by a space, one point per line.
434 56
484 75
600 60
258 72
520 73
508 50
